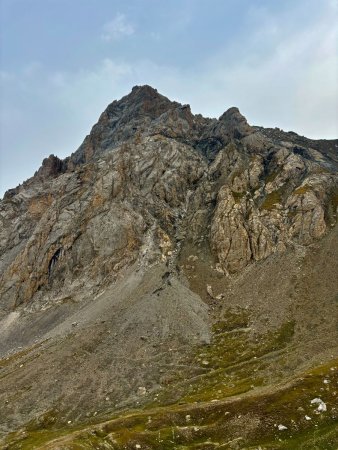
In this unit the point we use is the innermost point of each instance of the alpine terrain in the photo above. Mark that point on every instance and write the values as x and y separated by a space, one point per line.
172 284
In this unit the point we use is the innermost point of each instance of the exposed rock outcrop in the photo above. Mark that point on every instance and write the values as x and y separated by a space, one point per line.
149 172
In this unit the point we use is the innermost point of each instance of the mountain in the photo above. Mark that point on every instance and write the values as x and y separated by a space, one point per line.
172 284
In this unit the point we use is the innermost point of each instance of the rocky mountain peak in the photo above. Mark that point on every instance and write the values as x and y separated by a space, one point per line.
166 231
122 119
144 111
144 88
143 101
255 195
51 167
236 123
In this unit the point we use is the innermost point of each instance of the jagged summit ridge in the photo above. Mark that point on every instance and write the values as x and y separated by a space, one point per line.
145 111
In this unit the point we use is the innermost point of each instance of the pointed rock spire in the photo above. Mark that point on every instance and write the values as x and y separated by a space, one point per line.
236 123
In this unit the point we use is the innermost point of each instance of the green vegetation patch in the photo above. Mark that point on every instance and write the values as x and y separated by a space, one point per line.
302 190
271 200
231 364
228 400
249 420
238 196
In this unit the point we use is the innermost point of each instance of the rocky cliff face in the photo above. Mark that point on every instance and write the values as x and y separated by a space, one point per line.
149 172
131 248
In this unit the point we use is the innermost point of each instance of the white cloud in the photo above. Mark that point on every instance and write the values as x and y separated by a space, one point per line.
117 28
283 75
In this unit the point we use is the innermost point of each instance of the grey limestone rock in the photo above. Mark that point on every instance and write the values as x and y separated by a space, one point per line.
150 176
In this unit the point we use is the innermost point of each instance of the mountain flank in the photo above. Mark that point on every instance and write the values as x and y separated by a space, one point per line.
172 284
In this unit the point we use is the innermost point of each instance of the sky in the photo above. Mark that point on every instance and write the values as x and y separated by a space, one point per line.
63 61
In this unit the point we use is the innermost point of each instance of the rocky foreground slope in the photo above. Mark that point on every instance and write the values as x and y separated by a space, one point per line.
172 284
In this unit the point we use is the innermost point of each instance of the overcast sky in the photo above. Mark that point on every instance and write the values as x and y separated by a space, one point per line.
63 61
